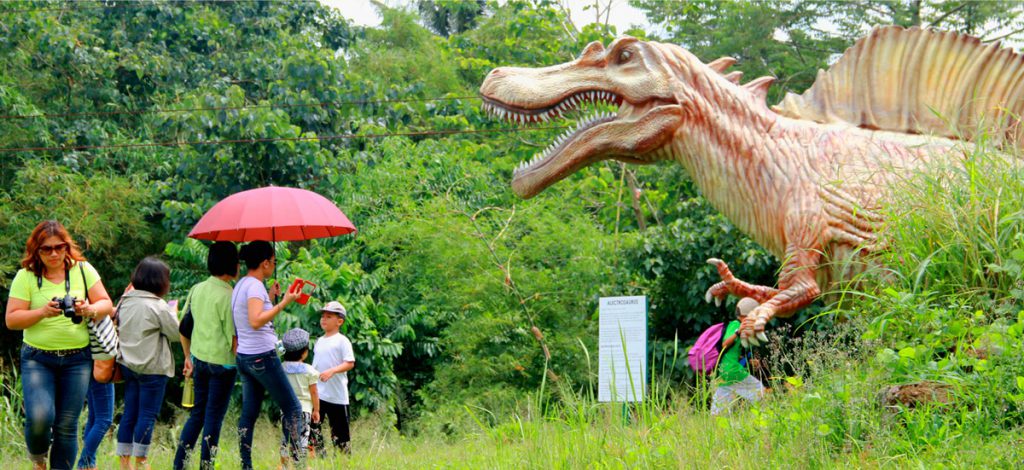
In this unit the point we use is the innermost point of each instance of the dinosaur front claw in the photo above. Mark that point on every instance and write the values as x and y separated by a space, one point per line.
720 290
717 292
758 339
753 326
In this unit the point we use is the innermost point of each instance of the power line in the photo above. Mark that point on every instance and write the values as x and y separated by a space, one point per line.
277 139
326 104
77 5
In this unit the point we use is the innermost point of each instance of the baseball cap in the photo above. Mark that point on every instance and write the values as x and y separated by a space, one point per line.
335 307
295 339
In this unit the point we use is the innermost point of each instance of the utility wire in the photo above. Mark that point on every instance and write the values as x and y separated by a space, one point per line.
327 104
276 139
122 5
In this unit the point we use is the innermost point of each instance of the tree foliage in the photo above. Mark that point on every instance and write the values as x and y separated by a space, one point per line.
452 16
156 110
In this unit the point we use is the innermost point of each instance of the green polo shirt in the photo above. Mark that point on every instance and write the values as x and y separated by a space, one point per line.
58 332
214 328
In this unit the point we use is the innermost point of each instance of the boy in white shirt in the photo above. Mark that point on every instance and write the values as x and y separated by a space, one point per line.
333 357
303 379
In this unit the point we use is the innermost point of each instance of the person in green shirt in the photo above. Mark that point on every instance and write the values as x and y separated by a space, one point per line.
733 379
209 354
56 363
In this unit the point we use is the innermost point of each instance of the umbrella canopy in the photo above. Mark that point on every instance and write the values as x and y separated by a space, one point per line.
274 214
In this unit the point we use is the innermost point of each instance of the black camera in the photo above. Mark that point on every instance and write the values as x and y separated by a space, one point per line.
67 307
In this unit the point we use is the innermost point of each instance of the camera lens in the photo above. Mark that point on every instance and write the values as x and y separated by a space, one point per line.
67 307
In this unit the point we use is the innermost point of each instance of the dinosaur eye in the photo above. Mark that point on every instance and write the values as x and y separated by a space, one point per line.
625 56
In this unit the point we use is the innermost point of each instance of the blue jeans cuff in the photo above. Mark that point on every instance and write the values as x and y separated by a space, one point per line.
124 449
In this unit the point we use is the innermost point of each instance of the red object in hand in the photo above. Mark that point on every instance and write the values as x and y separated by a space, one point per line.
299 286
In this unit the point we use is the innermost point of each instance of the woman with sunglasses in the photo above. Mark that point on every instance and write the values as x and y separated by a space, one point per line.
56 364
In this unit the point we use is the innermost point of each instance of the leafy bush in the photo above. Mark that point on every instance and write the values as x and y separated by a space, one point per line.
947 308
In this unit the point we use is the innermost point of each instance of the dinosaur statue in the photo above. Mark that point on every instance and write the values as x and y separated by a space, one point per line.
805 179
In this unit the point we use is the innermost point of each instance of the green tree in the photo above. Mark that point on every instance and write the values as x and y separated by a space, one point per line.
450 16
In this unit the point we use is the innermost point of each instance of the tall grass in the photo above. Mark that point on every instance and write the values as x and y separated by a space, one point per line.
958 230
11 404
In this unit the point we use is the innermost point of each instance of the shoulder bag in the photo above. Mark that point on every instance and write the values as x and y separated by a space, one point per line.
103 342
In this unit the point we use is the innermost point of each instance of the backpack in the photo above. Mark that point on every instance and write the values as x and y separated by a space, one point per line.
707 350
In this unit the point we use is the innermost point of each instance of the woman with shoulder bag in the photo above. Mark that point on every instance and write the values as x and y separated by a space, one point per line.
51 295
146 326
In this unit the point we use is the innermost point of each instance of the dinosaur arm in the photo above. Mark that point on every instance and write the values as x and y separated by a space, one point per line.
731 285
798 286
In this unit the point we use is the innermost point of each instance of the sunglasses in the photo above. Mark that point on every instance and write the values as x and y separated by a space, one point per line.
59 248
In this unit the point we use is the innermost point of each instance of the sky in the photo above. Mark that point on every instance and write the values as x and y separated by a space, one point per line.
363 13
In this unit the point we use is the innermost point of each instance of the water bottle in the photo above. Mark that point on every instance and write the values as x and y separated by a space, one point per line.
188 394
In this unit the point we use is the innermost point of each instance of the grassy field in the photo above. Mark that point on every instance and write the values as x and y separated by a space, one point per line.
782 432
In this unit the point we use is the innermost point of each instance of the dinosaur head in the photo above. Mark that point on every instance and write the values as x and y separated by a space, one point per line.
631 74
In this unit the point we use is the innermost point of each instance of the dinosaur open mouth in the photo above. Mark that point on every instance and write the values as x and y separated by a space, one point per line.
572 102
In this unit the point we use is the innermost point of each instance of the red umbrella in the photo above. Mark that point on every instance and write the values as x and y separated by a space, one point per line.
274 214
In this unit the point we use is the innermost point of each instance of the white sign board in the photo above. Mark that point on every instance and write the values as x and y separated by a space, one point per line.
622 371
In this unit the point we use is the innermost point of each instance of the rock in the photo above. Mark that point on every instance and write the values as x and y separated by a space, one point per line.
915 394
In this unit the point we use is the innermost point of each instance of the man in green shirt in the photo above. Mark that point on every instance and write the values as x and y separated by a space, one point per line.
734 380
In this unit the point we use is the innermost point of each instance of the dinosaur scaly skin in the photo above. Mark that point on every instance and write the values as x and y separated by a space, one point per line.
806 187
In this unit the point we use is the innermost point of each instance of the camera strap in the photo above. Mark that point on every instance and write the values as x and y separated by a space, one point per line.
67 281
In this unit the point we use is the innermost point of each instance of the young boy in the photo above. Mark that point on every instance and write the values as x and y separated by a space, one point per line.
303 379
735 381
333 357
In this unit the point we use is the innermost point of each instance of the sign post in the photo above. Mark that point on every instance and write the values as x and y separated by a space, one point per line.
622 370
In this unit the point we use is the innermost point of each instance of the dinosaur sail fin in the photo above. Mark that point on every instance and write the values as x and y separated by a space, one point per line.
919 81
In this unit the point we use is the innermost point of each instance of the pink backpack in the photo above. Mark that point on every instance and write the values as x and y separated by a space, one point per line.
705 353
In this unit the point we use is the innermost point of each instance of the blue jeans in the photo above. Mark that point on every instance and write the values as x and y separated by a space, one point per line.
143 396
101 414
54 390
263 372
213 384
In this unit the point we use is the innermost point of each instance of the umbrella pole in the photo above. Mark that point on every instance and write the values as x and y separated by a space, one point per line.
273 244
